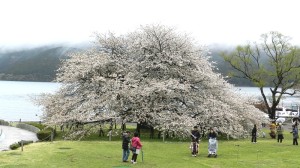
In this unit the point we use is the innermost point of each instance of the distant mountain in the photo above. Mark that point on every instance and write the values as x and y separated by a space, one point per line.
41 63
223 67
36 64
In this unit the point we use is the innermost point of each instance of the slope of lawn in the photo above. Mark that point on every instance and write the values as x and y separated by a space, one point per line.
93 152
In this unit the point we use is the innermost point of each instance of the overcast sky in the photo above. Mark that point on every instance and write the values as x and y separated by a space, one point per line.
39 22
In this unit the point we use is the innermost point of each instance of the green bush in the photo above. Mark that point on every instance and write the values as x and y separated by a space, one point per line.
14 146
24 142
28 127
44 132
44 135
2 122
38 125
19 144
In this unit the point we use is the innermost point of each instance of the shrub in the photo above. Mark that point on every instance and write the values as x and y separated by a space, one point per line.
38 125
14 146
44 135
2 122
24 142
28 127
19 144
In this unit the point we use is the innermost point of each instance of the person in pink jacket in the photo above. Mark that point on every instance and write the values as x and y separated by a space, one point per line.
136 143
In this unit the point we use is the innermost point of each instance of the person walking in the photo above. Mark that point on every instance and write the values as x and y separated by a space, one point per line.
254 134
279 133
295 135
135 143
125 145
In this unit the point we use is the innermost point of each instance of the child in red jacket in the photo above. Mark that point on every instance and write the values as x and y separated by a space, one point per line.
136 143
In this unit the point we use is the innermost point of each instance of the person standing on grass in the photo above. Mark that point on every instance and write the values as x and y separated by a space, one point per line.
295 135
195 135
254 134
125 145
136 143
279 133
212 143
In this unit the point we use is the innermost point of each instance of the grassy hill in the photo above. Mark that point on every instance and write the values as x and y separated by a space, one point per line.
91 153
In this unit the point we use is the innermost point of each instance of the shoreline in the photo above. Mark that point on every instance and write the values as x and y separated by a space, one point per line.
11 135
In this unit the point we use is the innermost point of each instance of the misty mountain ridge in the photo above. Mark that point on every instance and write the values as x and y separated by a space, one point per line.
34 64
41 63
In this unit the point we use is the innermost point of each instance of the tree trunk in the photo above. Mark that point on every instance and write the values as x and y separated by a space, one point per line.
138 128
159 135
151 132
273 112
123 126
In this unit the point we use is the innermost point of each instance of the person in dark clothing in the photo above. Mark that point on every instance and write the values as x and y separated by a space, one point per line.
254 134
195 135
212 134
295 135
125 145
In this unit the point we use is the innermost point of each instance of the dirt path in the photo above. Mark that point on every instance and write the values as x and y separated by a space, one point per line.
11 135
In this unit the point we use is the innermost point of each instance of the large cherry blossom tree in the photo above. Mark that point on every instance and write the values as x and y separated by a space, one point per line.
154 76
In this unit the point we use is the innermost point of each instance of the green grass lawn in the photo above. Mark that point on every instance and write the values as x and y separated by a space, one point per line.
170 154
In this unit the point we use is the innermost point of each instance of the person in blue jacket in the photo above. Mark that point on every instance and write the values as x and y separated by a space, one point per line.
125 145
295 135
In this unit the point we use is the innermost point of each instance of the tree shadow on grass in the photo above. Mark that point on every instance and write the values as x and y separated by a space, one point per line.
14 153
64 148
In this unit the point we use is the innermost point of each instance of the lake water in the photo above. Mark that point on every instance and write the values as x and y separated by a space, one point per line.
286 100
16 104
15 99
